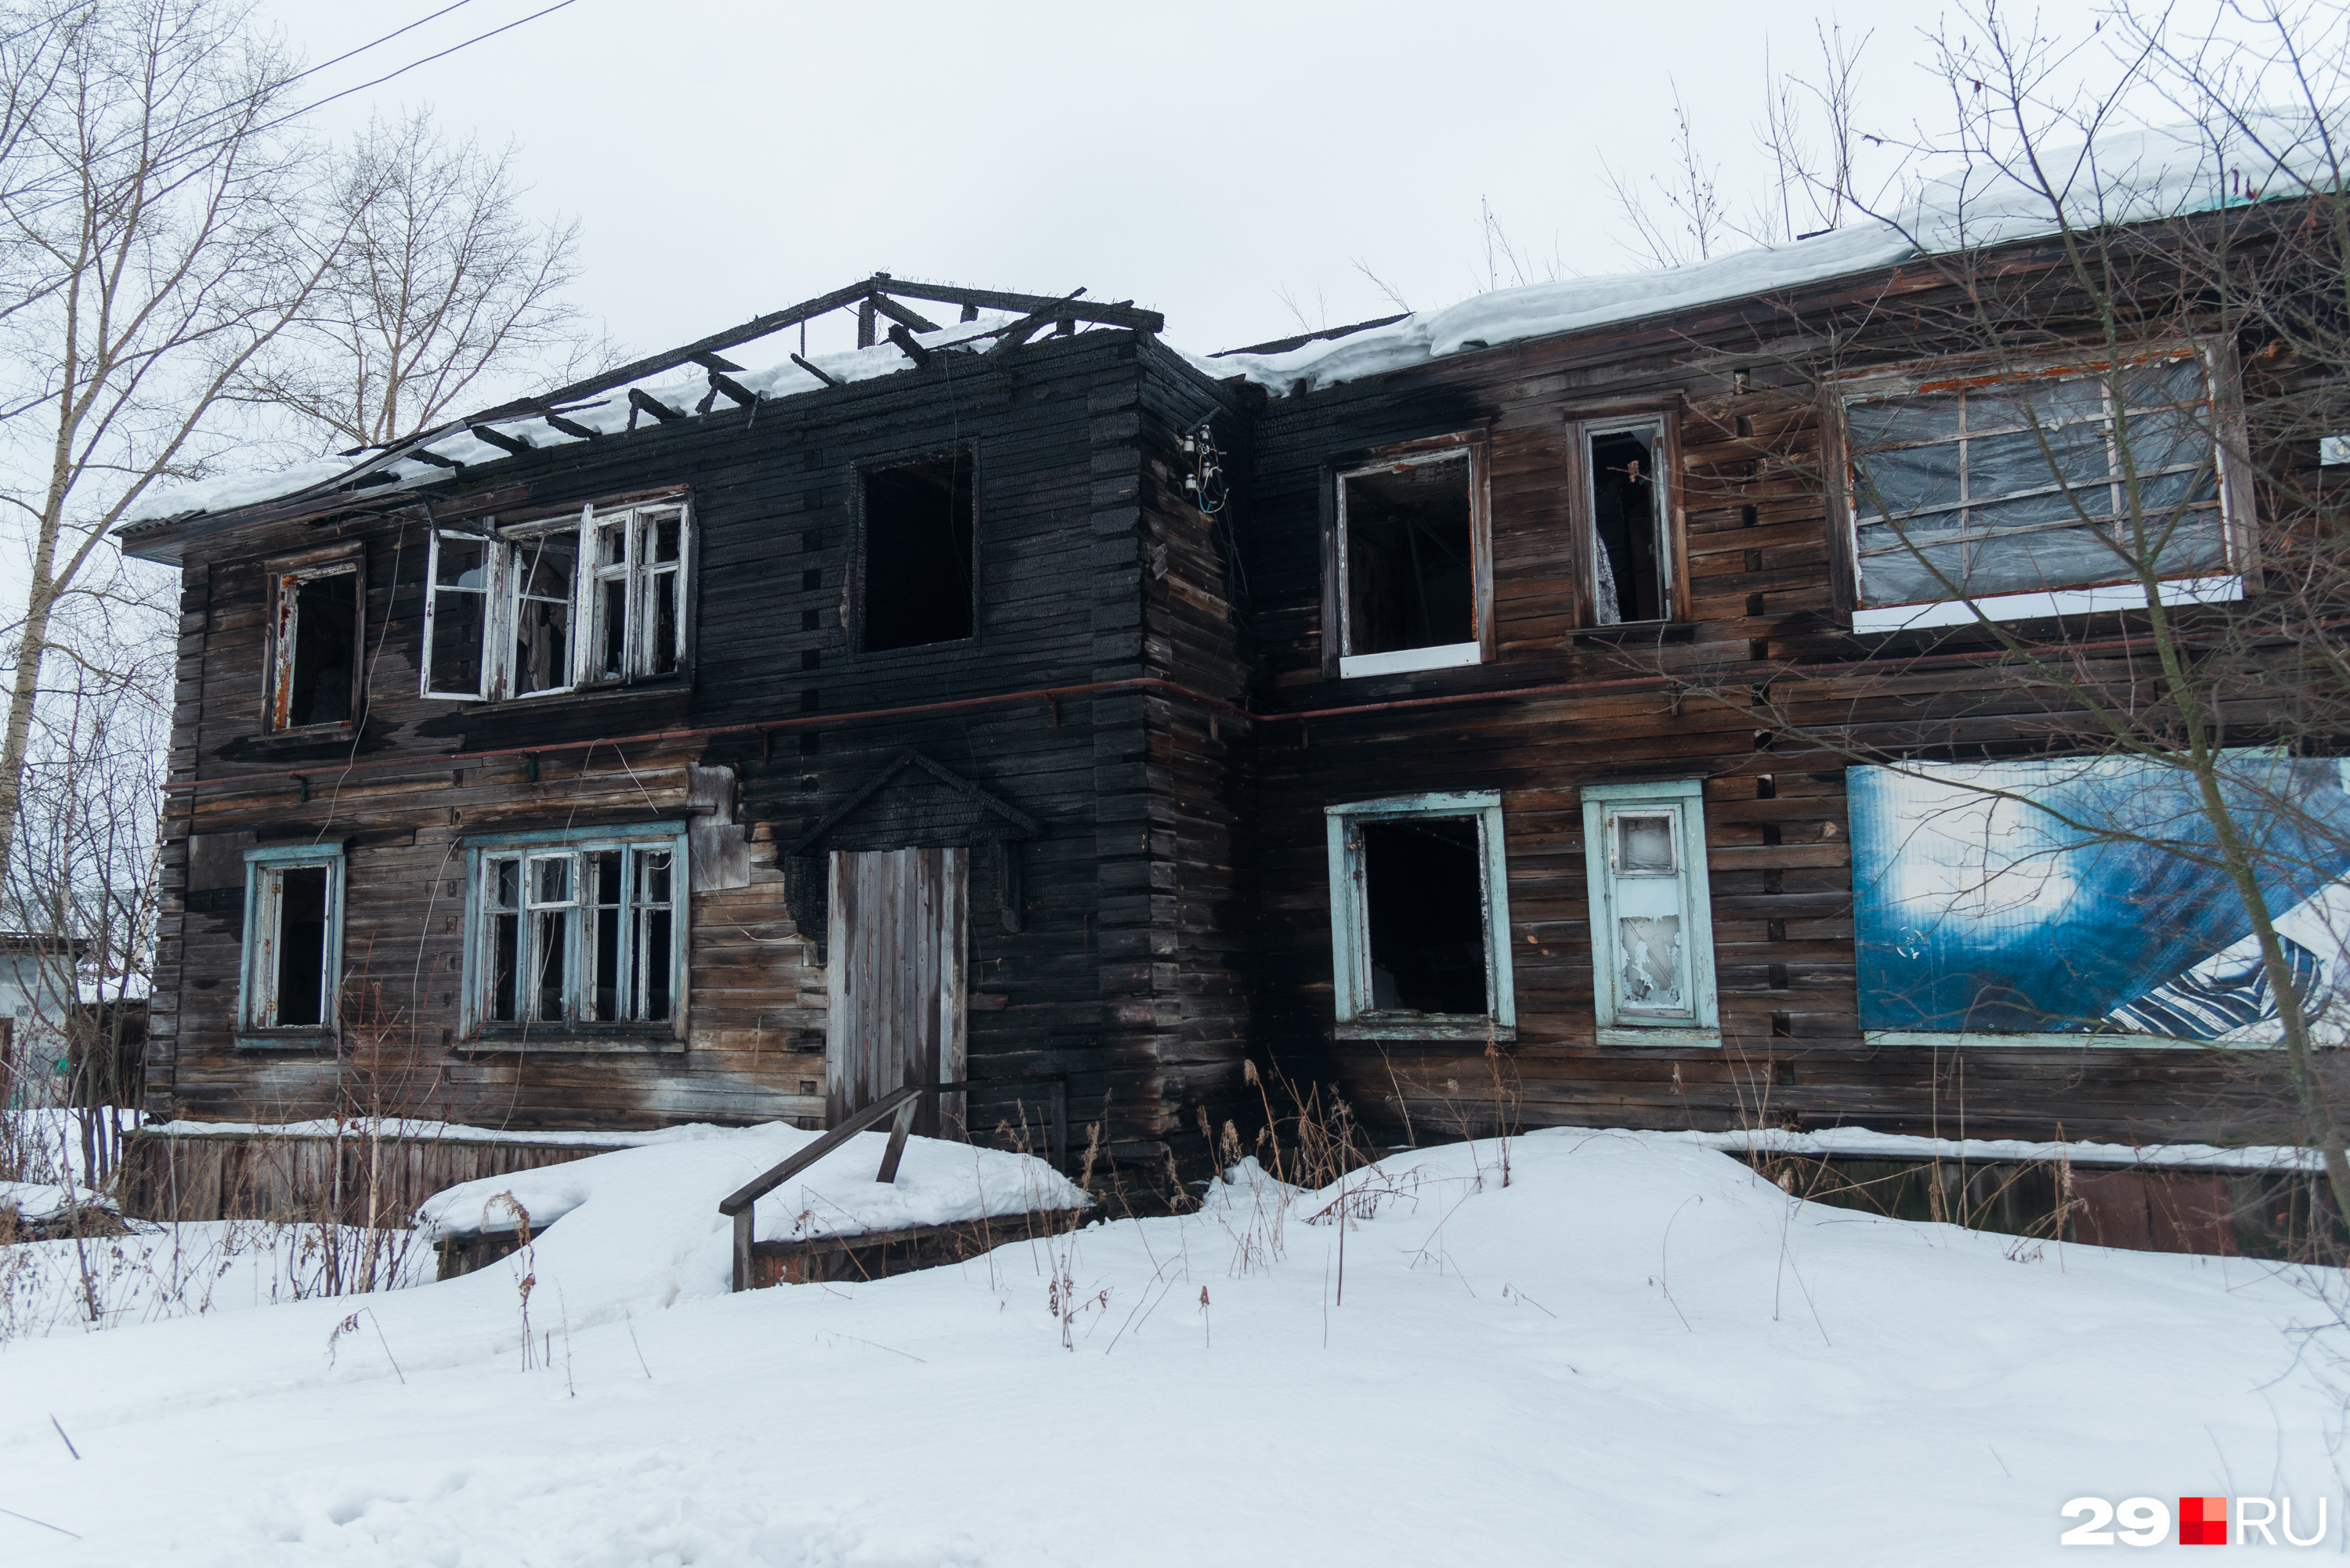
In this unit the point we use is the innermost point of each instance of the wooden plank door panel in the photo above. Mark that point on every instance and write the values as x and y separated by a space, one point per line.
898 919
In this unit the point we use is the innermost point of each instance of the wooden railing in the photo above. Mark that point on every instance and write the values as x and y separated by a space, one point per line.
739 1204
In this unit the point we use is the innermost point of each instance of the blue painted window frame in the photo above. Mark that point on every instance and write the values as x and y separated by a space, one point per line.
1351 922
1684 800
476 1029
258 864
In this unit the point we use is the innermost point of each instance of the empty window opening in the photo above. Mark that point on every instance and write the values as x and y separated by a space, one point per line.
919 529
1427 914
1631 554
317 647
1407 538
1419 919
460 610
301 980
290 970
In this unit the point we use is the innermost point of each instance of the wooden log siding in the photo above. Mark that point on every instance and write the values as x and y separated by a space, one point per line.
1090 987
1761 571
1175 904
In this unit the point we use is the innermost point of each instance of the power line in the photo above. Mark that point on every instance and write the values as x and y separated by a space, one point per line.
296 114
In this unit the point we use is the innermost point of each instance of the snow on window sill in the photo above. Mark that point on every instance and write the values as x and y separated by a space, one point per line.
292 1040
1404 660
2030 606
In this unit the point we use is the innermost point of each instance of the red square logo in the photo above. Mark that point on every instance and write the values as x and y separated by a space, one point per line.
2203 1522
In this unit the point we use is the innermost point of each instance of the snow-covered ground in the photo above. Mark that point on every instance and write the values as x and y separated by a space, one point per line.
1633 1351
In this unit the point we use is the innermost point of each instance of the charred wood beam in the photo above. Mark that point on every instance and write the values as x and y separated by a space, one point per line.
1028 325
426 454
828 381
654 364
499 439
864 323
714 362
1121 314
901 315
904 340
653 406
569 427
721 382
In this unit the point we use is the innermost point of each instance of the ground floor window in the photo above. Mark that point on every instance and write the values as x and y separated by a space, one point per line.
579 931
1651 921
1419 919
293 940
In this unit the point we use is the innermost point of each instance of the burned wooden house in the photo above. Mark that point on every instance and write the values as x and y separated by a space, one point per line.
1016 697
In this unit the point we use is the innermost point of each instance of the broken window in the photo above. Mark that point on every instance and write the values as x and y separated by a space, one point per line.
293 922
920 529
1419 919
1411 568
1627 512
579 931
315 646
594 600
1652 928
2022 486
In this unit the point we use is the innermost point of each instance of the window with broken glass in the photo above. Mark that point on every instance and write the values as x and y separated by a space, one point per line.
596 598
2064 479
292 966
1651 917
1413 588
314 645
1627 519
1419 919
579 932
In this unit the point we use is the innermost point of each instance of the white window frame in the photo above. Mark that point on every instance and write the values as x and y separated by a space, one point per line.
284 639
574 1031
261 954
2202 586
1440 655
503 588
1350 927
1621 1023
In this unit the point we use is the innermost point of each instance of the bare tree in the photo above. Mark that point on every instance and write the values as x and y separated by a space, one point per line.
156 228
1813 165
1693 225
440 284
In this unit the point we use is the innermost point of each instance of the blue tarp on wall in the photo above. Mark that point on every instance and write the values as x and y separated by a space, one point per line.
2019 897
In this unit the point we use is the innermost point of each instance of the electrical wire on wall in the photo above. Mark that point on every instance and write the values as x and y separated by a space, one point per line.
1213 497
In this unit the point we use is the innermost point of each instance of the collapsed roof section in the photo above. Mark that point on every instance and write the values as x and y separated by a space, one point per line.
892 336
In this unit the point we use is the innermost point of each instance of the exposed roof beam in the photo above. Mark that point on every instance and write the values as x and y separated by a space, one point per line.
714 362
828 381
904 340
426 454
1121 314
499 437
569 427
900 313
653 406
732 388
1028 325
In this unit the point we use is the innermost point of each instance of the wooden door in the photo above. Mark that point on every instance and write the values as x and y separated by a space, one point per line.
896 977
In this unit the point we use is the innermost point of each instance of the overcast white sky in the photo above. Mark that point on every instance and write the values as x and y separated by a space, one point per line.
730 158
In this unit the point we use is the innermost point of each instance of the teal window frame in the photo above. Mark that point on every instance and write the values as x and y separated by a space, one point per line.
573 1032
1619 1022
263 870
1350 931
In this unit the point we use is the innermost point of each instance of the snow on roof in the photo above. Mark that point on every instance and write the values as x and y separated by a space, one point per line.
2125 177
608 415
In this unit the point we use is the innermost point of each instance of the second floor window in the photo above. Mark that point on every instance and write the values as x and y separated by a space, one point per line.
1412 588
596 598
315 646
